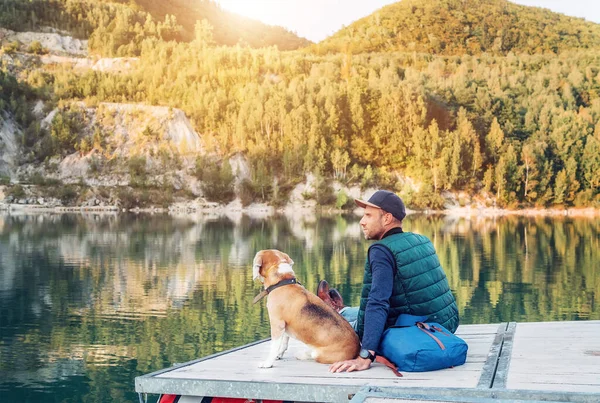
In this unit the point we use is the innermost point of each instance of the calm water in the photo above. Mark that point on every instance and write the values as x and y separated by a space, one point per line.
89 302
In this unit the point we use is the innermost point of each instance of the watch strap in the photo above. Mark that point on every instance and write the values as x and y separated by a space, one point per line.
368 354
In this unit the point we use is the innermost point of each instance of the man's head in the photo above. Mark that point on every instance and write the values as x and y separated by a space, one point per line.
383 211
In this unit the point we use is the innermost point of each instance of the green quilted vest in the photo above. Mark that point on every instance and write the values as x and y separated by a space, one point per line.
420 284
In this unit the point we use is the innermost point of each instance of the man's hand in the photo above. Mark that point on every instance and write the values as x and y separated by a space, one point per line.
357 364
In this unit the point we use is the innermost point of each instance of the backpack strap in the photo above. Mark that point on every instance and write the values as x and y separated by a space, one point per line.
381 359
424 327
439 330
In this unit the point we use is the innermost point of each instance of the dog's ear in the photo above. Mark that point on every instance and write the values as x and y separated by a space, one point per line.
256 265
288 259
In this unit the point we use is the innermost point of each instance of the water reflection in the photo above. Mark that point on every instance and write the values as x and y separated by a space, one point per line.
89 302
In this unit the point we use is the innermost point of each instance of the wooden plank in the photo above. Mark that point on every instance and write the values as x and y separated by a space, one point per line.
567 360
556 356
488 372
236 374
489 328
231 367
464 395
499 381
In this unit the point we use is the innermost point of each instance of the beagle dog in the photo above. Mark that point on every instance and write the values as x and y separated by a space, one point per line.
298 313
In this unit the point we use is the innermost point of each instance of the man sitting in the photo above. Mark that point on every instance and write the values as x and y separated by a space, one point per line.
402 275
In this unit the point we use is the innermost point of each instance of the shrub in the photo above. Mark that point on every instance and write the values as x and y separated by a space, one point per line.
32 134
127 198
67 194
36 48
324 193
308 195
130 197
150 133
44 149
11 48
247 193
368 178
4 180
168 159
85 146
427 198
407 194
354 174
384 179
137 171
17 192
95 164
65 129
281 190
202 162
37 179
99 139
218 183
587 198
344 201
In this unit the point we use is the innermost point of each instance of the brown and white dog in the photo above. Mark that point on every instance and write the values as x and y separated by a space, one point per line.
298 313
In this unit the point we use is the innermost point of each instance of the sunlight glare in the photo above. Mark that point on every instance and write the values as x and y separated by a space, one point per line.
269 12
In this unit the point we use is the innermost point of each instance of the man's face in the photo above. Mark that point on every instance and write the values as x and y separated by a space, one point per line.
372 223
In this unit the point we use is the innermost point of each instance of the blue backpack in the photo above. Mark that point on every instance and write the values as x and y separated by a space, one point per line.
414 345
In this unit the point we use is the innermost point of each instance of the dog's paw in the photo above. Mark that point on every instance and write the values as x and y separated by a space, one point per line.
304 355
265 364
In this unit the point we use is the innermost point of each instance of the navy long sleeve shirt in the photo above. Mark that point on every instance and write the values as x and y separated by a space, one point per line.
383 267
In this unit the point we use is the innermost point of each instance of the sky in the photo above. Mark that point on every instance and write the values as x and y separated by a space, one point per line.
317 19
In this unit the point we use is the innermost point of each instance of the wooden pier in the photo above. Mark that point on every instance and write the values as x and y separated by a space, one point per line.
528 362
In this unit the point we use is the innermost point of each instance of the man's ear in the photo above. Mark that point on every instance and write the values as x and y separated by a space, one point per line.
388 218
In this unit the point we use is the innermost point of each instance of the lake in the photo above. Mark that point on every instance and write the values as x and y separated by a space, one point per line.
89 302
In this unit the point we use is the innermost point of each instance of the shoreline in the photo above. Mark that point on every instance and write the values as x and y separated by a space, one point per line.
265 211
527 212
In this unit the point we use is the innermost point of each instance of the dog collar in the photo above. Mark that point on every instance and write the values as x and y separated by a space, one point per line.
264 293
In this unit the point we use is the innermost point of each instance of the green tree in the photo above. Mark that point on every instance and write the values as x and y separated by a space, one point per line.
591 161
65 128
339 161
494 140
508 176
203 33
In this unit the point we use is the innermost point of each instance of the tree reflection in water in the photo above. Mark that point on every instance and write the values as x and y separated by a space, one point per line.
89 302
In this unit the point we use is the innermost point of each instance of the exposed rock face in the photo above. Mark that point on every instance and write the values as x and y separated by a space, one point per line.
179 130
53 42
116 64
38 109
155 132
75 62
239 168
75 166
137 127
9 146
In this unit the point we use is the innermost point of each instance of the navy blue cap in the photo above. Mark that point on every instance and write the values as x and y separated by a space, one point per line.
387 201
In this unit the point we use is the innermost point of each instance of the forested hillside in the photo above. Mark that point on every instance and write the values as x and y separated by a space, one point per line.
229 28
456 27
523 130
117 27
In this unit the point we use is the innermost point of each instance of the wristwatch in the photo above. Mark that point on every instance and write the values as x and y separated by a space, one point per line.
364 353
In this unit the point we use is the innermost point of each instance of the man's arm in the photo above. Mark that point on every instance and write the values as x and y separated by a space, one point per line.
378 305
382 265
